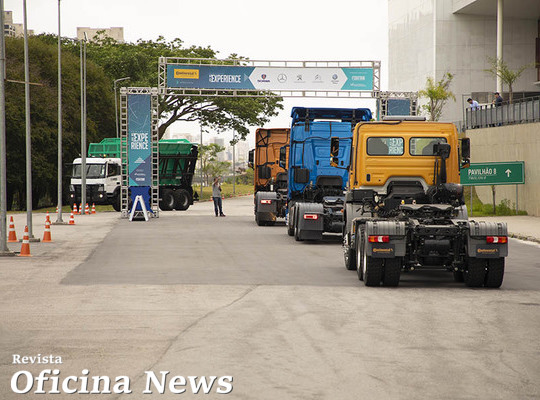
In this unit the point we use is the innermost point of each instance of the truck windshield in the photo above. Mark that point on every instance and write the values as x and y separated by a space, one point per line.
93 171
423 146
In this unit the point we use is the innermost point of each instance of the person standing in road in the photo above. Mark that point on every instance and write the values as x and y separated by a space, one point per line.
216 196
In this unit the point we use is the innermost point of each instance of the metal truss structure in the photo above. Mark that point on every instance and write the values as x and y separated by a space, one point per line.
154 198
383 97
168 91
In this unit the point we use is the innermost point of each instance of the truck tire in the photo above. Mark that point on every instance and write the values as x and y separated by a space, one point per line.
475 274
349 254
372 268
392 271
290 221
360 259
181 199
115 203
458 276
495 273
296 230
167 200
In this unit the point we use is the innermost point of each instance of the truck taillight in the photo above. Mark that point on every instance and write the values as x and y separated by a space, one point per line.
496 239
266 201
311 216
379 239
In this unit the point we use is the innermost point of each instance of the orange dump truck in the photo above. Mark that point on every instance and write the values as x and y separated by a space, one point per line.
270 176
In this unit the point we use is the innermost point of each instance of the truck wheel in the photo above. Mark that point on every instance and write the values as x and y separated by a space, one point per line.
372 268
115 203
458 276
392 271
296 229
475 274
181 200
495 273
290 222
360 257
167 200
349 254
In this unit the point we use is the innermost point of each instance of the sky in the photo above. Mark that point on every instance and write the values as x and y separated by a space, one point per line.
305 30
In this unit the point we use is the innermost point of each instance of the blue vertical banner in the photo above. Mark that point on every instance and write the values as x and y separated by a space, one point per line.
139 140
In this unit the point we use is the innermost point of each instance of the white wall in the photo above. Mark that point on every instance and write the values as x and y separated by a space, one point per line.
425 36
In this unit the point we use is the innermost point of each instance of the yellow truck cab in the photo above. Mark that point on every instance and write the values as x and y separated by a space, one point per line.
404 207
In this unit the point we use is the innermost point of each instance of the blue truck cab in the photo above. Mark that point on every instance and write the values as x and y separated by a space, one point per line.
317 181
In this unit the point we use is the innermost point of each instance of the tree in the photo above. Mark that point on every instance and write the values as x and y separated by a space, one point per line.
438 93
140 62
43 70
500 69
207 158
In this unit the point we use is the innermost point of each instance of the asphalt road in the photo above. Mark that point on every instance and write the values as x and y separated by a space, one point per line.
198 295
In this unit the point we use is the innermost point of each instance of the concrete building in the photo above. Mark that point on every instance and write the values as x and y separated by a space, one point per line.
432 37
12 29
116 33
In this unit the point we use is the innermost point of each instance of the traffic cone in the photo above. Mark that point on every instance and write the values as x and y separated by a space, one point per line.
86 209
57 209
47 218
47 234
25 248
80 209
12 237
71 220
75 208
93 208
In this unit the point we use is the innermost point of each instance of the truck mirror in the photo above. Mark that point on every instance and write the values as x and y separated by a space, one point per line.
283 157
251 158
442 150
465 148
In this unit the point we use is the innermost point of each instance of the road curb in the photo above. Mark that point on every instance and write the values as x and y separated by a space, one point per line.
523 237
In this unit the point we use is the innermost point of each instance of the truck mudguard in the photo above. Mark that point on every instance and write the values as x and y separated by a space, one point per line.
311 227
477 247
395 247
265 207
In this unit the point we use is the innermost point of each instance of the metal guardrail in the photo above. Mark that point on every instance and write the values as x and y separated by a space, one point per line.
521 111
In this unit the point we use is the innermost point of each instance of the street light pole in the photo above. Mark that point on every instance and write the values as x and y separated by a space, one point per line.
116 102
234 166
200 165
28 129
59 217
83 124
4 250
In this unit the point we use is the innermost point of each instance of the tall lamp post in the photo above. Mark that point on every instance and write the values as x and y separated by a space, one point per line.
116 101
83 123
59 217
4 250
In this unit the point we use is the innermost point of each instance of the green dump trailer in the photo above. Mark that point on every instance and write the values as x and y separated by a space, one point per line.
177 159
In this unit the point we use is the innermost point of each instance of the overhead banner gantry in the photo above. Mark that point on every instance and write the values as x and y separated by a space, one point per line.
237 78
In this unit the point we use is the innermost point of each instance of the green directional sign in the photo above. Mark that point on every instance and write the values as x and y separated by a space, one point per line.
494 173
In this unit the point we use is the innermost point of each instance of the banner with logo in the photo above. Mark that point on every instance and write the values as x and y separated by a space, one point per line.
139 140
270 78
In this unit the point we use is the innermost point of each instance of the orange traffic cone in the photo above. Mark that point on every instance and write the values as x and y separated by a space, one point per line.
93 208
80 209
57 209
47 218
25 248
86 209
71 220
12 237
75 208
47 234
